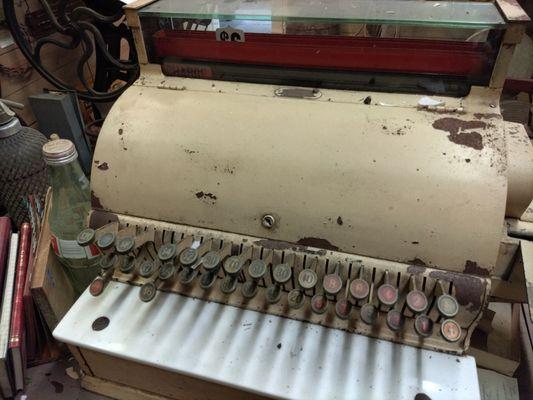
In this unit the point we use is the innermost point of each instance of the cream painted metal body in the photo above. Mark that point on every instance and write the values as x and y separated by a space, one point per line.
388 180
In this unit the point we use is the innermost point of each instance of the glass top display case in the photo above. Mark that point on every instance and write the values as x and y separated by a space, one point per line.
405 45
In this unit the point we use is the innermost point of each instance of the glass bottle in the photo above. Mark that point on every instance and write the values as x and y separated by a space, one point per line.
69 209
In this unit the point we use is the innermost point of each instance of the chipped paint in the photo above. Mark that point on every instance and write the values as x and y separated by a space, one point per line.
417 262
317 242
456 129
454 125
209 197
103 166
468 139
471 267
95 201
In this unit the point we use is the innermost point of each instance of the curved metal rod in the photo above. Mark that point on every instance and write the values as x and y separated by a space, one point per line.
87 52
70 30
42 41
48 10
81 11
100 42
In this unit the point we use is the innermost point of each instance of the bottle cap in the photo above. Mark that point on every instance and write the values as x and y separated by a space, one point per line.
59 152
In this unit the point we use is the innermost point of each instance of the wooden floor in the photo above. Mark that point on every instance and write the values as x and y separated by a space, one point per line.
51 382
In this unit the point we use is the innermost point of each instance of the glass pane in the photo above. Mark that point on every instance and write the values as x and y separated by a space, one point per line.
399 12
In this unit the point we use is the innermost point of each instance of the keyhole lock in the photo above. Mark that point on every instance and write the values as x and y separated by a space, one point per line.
268 221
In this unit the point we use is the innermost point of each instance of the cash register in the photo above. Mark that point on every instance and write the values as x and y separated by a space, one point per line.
303 199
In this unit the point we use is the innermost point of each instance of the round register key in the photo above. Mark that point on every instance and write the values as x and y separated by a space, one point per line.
343 308
395 320
97 287
387 294
423 325
128 265
188 256
85 237
167 271
125 245
295 298
257 269
417 301
369 314
147 292
211 260
282 273
147 268
447 306
108 261
359 289
166 251
106 240
307 279
450 330
319 304
332 284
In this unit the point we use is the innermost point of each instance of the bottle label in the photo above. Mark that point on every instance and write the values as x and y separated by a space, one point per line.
70 249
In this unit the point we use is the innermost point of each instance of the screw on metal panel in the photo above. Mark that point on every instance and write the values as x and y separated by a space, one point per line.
268 221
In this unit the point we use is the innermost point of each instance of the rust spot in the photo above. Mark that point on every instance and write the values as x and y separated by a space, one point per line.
339 220
468 139
103 166
471 267
317 242
454 125
487 116
469 291
95 201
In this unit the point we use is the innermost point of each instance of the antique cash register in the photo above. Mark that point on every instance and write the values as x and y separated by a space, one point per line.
304 200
